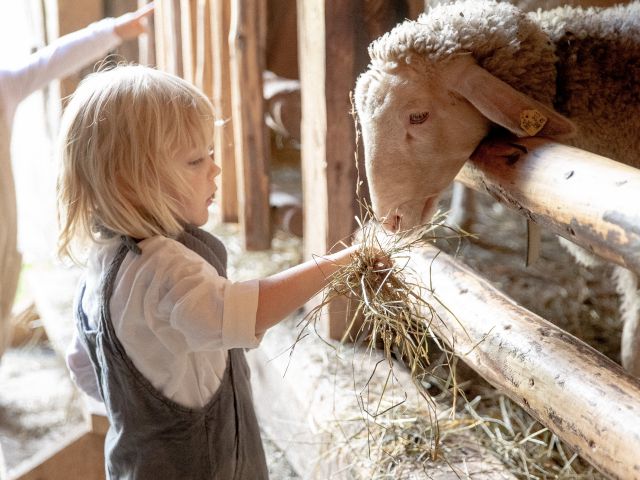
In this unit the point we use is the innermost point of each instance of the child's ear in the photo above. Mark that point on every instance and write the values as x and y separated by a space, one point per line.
506 106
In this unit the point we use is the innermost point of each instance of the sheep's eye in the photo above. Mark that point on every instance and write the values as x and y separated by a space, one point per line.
416 118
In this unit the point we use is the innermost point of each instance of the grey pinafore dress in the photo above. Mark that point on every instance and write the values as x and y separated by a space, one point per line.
152 437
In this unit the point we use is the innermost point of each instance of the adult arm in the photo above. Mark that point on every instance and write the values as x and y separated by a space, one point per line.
67 54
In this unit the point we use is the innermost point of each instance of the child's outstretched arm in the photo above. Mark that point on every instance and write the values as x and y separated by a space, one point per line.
282 293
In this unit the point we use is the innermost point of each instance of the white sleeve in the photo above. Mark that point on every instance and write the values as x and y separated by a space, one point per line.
62 57
81 369
211 312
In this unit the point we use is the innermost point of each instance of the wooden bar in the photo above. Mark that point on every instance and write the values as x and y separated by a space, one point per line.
146 43
587 199
159 34
251 146
582 396
327 40
169 36
188 24
224 147
203 76
128 51
63 17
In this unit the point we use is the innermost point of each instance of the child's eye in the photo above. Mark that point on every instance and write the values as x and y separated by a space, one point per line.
195 162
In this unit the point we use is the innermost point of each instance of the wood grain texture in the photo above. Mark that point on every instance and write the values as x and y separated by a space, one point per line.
327 43
246 47
223 142
582 396
587 199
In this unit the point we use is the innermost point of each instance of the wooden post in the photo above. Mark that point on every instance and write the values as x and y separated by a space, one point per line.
588 199
224 147
203 76
582 396
188 26
246 42
147 43
327 43
168 36
64 16
128 51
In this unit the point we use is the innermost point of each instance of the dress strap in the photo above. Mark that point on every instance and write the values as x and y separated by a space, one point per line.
131 244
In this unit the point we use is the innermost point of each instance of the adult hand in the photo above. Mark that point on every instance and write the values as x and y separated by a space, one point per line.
132 24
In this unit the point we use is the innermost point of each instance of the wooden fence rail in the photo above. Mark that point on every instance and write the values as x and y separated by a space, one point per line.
586 198
586 399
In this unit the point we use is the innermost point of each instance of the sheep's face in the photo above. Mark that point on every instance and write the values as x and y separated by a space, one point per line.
417 134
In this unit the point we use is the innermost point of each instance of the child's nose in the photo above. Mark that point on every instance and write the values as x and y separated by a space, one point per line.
214 170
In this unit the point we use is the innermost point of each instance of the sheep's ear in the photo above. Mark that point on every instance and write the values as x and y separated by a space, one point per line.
504 105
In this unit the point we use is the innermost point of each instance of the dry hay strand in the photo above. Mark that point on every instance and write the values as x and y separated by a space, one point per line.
403 438
528 448
389 312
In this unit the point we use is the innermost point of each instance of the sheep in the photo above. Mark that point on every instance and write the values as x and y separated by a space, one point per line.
435 87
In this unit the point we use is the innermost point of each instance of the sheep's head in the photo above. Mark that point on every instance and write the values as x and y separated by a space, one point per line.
424 105
416 134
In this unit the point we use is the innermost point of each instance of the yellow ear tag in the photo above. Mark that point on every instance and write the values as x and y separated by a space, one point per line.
532 121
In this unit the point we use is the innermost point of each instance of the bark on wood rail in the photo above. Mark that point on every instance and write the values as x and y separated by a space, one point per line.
588 199
582 396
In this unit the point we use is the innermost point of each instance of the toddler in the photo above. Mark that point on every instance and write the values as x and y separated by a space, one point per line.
160 329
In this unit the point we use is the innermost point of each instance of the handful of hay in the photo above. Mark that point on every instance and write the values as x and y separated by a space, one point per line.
390 311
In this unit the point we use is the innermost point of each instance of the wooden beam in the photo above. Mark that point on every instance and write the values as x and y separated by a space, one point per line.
63 17
588 199
327 40
224 146
203 76
582 396
147 43
168 36
246 46
188 27
129 50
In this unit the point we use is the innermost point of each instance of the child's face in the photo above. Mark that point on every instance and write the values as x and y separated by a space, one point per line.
199 171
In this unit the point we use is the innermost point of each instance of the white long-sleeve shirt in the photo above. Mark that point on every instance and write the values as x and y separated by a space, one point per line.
174 315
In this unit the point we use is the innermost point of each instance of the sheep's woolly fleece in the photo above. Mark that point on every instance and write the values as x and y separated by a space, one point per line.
584 63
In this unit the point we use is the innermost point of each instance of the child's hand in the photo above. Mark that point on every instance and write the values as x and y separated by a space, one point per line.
132 24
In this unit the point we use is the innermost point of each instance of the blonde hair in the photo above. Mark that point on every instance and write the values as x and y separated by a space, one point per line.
120 134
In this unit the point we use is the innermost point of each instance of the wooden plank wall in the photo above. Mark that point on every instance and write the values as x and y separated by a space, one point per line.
332 42
62 17
128 51
327 44
219 45
247 56
223 141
